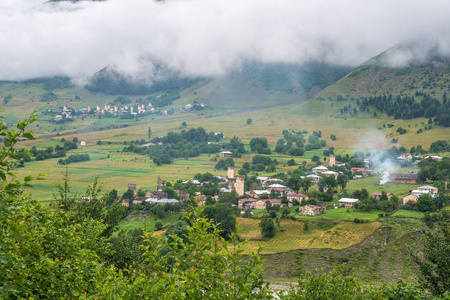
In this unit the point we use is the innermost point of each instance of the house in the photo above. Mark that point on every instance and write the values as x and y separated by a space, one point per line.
434 157
82 143
429 188
348 202
414 196
148 145
201 200
311 210
257 193
224 190
377 195
410 198
404 157
297 196
276 185
162 201
319 169
247 203
315 178
226 154
331 173
404 178
364 171
261 204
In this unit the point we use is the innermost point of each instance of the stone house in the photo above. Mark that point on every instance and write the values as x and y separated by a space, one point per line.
311 210
261 204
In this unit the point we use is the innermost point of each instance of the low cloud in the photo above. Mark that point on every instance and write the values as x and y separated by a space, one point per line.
210 37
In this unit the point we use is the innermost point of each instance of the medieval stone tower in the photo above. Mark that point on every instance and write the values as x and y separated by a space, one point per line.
132 186
161 185
332 160
240 185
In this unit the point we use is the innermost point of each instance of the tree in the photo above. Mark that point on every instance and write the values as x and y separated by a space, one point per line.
337 285
435 265
158 225
267 226
149 133
306 183
184 124
342 180
425 203
291 162
201 266
141 193
332 137
249 121
45 253
129 194
315 158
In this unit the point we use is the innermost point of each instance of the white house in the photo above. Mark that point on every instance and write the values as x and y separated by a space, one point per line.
429 188
319 169
348 202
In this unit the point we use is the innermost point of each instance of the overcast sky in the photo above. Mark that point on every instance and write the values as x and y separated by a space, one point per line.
209 37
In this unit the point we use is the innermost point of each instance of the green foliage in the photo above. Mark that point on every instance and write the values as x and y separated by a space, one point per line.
267 226
425 203
206 267
435 265
337 285
249 121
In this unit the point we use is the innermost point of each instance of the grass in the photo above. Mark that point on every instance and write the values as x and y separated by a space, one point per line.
342 214
408 213
147 224
293 236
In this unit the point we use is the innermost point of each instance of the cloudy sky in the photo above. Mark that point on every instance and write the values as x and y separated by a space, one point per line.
209 37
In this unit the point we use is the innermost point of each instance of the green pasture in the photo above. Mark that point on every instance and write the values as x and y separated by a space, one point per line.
342 214
408 213
146 223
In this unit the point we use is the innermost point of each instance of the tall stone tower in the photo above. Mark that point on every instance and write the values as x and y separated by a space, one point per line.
132 186
240 185
230 172
231 179
332 160
161 185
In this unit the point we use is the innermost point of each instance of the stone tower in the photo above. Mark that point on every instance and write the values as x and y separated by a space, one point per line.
230 172
332 160
161 185
240 185
132 186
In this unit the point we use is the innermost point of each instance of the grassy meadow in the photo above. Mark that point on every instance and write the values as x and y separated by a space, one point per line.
292 235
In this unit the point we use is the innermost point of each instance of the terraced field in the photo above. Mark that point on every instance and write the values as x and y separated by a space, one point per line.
292 236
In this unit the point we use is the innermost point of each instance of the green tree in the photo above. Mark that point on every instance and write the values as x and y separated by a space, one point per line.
337 285
249 121
149 133
203 266
425 203
342 180
267 227
435 265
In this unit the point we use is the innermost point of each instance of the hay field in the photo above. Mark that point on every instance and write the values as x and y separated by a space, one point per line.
293 237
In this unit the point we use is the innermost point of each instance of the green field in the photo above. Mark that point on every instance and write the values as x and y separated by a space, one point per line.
292 235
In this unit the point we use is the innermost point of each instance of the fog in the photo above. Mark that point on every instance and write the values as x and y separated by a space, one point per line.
210 37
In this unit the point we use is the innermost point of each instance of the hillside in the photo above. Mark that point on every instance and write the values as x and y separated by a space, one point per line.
388 73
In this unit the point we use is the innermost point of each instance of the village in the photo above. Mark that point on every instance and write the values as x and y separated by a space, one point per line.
271 192
114 111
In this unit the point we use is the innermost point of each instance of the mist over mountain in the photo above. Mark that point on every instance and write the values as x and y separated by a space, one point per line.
199 38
